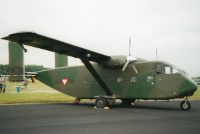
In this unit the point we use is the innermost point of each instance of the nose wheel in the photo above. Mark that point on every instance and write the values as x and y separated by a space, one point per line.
185 105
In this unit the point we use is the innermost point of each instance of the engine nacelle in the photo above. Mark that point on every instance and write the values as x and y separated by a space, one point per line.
115 62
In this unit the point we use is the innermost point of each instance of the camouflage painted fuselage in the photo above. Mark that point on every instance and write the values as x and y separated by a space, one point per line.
140 80
144 83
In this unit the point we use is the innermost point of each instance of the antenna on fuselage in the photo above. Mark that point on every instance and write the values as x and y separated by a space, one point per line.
129 46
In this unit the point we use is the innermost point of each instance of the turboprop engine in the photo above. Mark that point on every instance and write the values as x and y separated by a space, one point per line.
118 62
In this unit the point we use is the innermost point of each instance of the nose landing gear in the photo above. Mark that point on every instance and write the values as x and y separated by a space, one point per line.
185 105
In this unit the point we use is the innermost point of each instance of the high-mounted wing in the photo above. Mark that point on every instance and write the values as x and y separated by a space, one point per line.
40 41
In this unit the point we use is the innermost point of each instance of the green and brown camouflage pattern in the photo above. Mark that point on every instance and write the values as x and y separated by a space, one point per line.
77 81
16 62
61 60
81 83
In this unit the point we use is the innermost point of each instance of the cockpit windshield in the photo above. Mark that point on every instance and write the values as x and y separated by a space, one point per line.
176 70
168 69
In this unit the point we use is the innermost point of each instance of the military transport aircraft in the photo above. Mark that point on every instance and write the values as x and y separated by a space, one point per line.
110 77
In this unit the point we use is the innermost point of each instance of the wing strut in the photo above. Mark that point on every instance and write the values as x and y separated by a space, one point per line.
96 76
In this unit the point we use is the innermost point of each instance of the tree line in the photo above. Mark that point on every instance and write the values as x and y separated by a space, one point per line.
4 69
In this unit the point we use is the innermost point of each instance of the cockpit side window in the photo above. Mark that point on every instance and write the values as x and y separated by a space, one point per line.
158 69
167 70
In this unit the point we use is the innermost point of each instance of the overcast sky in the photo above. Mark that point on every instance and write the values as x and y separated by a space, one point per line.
104 26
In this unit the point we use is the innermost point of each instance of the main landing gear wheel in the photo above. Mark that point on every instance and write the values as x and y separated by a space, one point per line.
185 105
101 102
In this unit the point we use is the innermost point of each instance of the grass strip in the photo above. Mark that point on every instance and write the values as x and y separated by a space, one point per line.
12 98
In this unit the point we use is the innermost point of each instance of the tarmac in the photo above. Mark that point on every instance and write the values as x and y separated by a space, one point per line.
65 118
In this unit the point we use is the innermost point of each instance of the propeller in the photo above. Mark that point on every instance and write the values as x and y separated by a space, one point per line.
129 58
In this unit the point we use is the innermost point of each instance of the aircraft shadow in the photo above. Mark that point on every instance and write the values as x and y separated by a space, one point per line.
148 106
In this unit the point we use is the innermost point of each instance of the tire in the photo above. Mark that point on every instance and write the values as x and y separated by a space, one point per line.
185 105
101 102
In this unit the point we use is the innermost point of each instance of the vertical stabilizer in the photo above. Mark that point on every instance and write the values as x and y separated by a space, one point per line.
16 62
61 60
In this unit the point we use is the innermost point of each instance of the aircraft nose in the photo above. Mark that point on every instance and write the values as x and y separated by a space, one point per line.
192 86
188 87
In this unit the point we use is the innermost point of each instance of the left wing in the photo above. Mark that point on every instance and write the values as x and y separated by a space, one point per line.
40 41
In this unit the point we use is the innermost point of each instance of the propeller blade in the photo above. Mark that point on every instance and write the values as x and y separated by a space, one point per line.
134 68
125 66
129 60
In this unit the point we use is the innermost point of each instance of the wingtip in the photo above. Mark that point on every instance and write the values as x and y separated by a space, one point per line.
17 33
4 38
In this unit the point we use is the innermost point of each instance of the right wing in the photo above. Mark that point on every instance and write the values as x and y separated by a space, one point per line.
40 41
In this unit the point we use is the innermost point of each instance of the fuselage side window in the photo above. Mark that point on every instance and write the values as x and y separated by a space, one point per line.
133 79
119 79
149 78
158 69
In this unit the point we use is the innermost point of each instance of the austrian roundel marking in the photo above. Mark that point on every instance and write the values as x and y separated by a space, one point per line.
65 81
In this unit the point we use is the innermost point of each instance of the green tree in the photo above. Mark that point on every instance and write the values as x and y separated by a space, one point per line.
4 69
34 68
